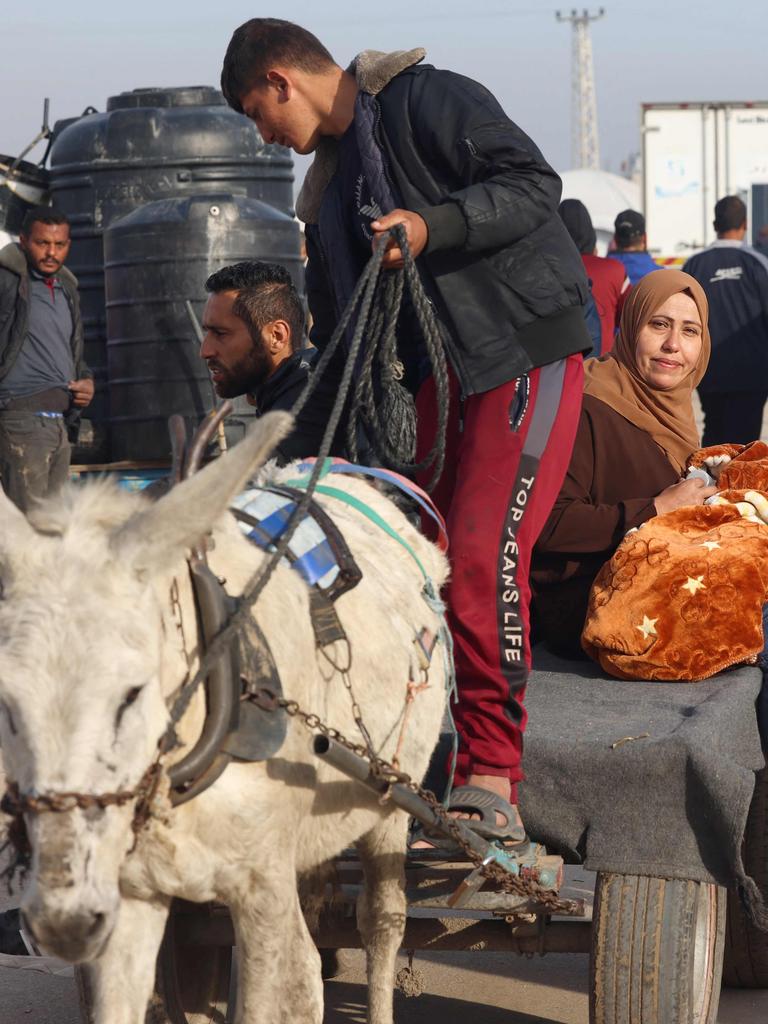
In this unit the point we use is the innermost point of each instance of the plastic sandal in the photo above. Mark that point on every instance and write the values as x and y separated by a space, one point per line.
477 801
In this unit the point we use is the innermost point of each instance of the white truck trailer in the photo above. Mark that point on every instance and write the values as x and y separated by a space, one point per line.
693 154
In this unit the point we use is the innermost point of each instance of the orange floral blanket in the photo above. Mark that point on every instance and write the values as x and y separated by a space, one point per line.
682 597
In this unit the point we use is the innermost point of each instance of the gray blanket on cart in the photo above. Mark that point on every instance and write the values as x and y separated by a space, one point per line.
641 777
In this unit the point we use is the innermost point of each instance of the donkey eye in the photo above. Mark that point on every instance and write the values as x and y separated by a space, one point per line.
128 699
131 696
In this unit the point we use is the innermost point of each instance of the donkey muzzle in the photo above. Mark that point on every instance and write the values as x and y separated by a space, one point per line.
74 934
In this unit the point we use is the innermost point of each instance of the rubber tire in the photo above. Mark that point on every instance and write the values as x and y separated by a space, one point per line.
657 951
84 996
746 947
330 964
192 984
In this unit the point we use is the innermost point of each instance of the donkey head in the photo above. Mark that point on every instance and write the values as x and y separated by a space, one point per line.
81 705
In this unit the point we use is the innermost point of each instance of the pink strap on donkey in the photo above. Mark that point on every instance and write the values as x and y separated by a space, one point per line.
388 476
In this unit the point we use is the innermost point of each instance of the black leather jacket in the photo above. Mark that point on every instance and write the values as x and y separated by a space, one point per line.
504 274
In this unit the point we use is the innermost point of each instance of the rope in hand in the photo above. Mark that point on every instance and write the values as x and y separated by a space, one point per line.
375 384
380 317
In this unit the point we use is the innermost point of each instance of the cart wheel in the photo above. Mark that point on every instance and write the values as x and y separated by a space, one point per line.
746 947
657 951
192 984
330 965
84 995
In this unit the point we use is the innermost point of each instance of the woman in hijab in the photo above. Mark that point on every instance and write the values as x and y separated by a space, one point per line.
636 432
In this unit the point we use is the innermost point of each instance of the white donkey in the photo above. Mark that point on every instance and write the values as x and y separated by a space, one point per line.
90 654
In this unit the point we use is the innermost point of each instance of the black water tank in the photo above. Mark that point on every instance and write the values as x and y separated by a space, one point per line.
154 260
151 144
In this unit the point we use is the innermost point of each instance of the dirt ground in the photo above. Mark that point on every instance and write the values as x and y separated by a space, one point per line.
460 988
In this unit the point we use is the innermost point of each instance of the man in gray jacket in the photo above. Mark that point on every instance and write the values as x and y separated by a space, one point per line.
43 377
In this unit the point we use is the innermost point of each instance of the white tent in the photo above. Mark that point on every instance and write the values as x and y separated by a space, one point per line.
604 195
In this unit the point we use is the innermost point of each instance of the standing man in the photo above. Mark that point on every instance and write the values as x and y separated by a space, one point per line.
607 278
44 381
254 330
761 240
632 245
735 278
398 142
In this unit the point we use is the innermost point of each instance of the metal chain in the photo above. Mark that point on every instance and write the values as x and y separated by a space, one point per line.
16 804
357 712
389 774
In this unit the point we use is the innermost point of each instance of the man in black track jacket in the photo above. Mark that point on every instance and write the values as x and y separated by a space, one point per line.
400 142
735 277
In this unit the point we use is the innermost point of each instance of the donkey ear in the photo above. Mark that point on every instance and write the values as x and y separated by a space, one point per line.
15 530
155 538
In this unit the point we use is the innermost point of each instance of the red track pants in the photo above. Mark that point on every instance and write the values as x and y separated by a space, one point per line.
507 452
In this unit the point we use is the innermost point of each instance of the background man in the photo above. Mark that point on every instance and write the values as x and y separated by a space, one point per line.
607 278
254 332
399 143
632 245
735 278
43 377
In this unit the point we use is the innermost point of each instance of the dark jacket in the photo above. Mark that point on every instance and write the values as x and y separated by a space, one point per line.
615 472
735 279
14 299
592 321
503 273
281 391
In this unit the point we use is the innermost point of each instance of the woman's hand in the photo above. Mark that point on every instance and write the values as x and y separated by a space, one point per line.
716 464
687 492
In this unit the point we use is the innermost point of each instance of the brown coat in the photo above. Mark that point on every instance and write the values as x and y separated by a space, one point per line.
616 471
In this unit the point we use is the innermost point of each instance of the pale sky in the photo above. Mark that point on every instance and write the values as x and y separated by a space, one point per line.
83 51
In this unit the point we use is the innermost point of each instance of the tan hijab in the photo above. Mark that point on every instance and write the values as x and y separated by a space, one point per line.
615 379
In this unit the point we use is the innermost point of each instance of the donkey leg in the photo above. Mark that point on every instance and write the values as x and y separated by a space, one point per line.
120 982
276 957
381 909
301 973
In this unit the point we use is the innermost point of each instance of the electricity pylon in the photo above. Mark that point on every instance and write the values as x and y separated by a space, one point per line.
584 139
